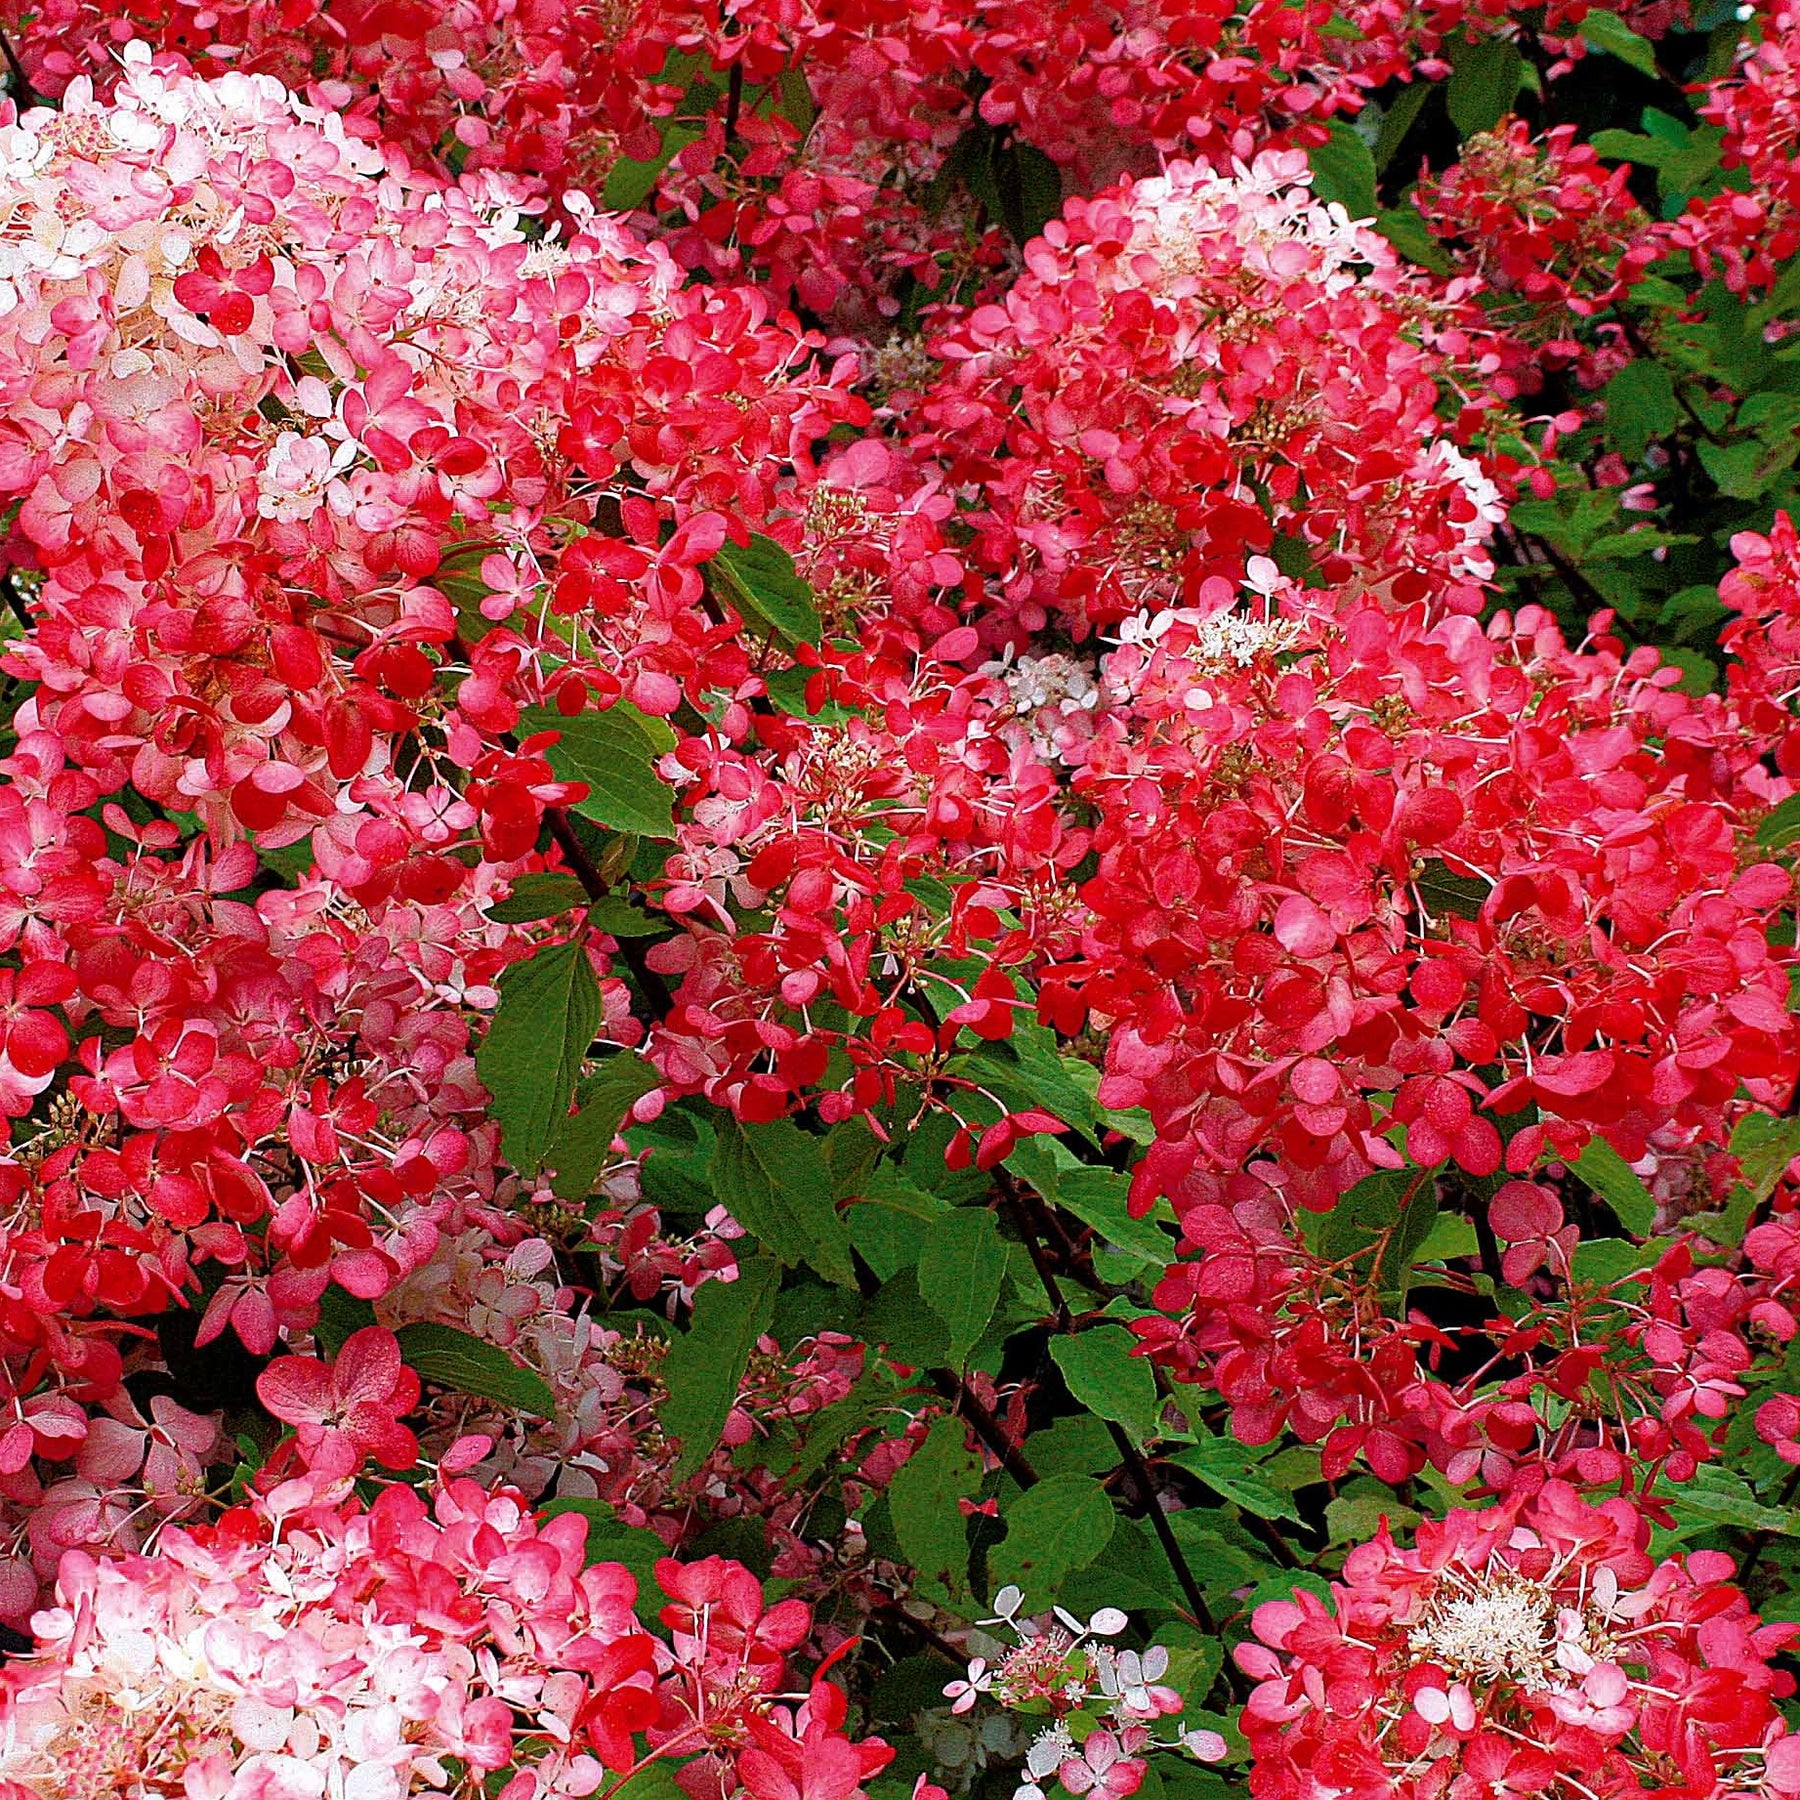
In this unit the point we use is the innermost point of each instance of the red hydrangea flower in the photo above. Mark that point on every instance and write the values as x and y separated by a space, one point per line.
350 1408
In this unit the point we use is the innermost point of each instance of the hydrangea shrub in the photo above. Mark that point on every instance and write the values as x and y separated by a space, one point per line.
897 900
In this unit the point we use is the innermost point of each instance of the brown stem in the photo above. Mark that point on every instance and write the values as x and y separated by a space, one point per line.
15 605
1128 1451
1165 1532
1030 1208
1637 341
1265 1529
594 885
1485 1240
987 1427
1014 1203
734 99
892 1609
1573 578
20 82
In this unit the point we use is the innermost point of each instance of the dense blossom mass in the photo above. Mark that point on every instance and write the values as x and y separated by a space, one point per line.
898 898
1520 1648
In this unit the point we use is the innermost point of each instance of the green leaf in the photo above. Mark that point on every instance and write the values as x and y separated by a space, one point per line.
922 1501
852 1153
1603 30
797 105
1717 1495
655 1781
1065 1085
1397 121
1136 1571
340 1314
618 918
1450 1236
1108 1380
538 897
1387 1215
766 590
1764 1146
1017 183
1227 1467
889 1221
1613 1179
1284 1584
1781 826
960 1270
454 1359
629 182
1601 1261
1030 188
1485 78
532 1054
602 1101
743 1539
1632 146
1743 470
1699 674
1343 169
1028 1071
1076 1442
1215 1559
898 1320
707 1362
1060 1525
615 753
1097 1198
1640 407
1356 1514
677 1172
1782 298
1293 1468
1447 894
774 1180
1409 234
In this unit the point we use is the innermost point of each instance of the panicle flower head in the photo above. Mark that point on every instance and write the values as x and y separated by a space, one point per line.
1062 1668
307 1644
1537 1635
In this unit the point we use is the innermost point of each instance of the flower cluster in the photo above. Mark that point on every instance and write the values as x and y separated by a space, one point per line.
1065 1671
1748 232
753 750
307 1645
1533 1649
1542 223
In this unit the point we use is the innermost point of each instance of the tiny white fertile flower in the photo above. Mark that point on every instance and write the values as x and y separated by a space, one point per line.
1049 1750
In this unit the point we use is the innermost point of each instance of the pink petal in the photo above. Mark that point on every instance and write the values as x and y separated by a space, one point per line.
1302 928
297 1390
368 1366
